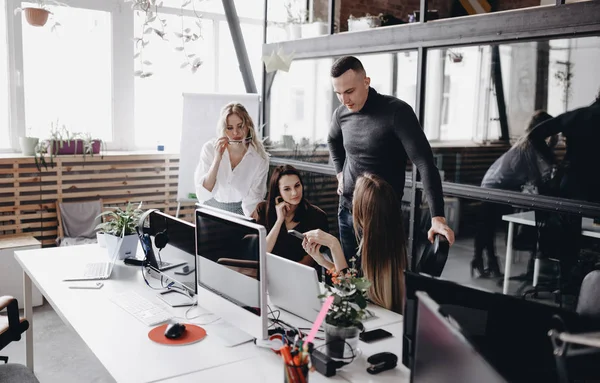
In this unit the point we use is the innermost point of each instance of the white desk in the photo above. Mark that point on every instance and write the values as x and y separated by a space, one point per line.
528 218
121 343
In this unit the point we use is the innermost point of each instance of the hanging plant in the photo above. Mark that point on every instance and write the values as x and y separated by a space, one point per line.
38 16
155 25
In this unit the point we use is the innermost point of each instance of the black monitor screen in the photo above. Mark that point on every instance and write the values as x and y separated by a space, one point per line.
228 258
443 354
177 259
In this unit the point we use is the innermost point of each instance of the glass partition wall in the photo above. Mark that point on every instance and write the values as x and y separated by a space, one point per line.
475 102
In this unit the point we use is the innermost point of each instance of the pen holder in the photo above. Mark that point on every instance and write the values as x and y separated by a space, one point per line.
295 373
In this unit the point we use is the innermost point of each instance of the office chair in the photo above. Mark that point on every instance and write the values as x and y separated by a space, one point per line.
77 222
575 362
11 325
434 257
248 268
559 243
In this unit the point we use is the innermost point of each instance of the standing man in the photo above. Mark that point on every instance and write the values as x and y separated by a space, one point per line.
375 133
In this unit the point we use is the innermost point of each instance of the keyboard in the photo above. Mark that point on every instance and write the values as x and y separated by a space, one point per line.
96 270
141 308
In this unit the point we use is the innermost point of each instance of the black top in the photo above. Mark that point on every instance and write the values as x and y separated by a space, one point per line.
379 139
288 246
581 128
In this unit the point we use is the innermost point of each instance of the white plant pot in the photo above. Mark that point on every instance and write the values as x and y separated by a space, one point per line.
294 31
28 145
318 28
128 248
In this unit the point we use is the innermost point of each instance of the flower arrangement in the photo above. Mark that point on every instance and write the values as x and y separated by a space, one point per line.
350 298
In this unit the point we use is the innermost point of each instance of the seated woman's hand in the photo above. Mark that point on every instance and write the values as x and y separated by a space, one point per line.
320 237
313 249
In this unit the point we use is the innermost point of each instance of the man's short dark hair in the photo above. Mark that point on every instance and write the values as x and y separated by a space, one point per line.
343 64
597 96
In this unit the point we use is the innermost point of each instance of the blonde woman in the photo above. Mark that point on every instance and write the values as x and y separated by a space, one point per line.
382 250
232 172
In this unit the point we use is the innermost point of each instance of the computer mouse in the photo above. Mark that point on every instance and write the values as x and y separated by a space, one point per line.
175 330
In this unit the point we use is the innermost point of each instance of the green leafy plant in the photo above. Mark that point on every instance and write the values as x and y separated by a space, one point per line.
154 26
121 222
59 137
350 298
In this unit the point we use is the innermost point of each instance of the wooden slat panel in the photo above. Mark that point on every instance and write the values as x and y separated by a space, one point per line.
117 179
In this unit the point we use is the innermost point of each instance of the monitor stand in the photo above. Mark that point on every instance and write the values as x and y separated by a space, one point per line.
229 335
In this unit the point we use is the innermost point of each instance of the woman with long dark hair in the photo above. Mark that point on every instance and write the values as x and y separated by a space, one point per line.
287 209
382 247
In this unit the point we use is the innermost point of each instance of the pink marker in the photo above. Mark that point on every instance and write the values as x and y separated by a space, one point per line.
320 319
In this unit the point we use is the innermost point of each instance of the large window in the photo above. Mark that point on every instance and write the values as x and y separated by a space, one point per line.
301 108
229 75
4 90
158 98
67 73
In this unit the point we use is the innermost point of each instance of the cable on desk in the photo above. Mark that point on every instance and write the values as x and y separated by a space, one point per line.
340 361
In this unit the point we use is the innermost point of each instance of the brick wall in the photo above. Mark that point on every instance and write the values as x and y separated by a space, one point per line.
401 8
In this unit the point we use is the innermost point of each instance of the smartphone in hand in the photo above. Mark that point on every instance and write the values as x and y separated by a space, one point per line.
296 234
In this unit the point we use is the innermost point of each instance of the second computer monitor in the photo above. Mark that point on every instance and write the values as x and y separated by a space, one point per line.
442 353
231 270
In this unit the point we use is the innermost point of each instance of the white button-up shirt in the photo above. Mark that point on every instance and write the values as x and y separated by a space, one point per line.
246 183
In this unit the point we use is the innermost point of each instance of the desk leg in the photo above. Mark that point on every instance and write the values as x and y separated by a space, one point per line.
509 255
28 304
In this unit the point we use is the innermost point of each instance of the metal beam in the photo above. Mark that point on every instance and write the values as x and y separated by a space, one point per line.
526 201
500 99
544 22
331 10
240 48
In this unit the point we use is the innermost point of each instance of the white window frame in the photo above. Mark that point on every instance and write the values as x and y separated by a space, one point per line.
122 66
122 70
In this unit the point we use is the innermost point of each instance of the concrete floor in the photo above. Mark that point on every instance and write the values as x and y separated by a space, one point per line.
62 356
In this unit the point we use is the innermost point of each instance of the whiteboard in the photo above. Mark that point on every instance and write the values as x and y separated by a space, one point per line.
201 112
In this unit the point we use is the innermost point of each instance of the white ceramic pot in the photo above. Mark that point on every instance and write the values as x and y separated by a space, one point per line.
318 28
28 145
128 248
294 31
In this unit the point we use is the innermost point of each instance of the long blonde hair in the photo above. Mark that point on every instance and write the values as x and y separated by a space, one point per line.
240 110
378 216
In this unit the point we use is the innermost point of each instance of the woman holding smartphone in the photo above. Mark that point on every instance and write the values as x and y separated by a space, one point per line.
232 172
382 248
287 209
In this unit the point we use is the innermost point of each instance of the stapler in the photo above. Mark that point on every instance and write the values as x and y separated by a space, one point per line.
381 362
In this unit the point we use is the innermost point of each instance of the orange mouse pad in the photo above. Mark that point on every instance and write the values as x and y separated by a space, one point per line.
192 334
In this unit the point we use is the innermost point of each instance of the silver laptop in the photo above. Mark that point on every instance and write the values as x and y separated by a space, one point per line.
98 270
293 287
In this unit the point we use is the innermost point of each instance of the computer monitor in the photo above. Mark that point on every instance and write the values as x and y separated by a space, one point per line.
510 332
217 210
442 353
232 270
177 260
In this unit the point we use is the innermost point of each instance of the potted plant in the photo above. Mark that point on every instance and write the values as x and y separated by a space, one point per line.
28 144
296 16
121 223
38 16
62 141
343 322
